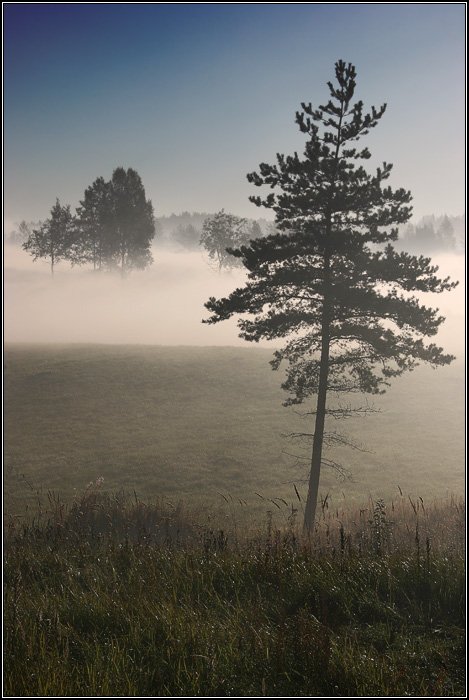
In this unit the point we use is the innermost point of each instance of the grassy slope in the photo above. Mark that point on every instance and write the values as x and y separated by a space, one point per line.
190 422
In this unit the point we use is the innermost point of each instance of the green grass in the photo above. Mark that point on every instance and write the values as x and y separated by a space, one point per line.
190 423
178 591
112 597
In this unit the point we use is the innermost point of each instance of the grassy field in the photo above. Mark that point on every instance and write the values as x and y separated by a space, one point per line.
151 583
112 597
191 423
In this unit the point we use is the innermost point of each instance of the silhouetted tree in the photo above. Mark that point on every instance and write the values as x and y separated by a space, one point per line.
133 223
115 224
95 218
330 281
221 232
54 238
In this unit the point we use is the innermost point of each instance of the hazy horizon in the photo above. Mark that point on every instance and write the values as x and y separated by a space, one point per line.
194 97
163 305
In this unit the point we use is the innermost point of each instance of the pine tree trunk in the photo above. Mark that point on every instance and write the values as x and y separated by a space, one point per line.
318 439
316 457
311 501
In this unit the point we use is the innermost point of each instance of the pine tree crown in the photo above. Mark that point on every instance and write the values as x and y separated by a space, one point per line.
332 268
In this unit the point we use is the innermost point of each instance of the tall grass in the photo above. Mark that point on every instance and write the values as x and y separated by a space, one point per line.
114 597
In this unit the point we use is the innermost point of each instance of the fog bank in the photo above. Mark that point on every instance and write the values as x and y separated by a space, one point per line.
163 305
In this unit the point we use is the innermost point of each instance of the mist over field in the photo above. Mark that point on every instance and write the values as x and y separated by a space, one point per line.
163 305
178 519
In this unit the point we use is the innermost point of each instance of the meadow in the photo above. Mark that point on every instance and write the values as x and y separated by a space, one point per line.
206 425
153 542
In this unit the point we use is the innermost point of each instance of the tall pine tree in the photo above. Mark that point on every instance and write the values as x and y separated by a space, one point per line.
331 282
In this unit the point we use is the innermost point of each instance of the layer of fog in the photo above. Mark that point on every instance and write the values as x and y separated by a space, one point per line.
163 305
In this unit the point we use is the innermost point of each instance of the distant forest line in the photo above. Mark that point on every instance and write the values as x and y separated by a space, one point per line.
428 235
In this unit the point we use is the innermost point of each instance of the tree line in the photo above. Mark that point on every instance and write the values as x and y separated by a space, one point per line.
111 229
213 233
114 226
432 235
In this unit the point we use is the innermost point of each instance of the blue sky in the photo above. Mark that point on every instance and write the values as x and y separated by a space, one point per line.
194 96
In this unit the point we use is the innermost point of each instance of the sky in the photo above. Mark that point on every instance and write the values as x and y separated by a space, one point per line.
194 96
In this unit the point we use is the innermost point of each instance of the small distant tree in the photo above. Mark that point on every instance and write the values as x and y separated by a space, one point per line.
421 238
221 232
255 230
54 238
187 235
94 216
133 222
445 234
22 232
330 281
429 235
